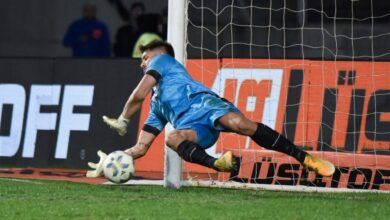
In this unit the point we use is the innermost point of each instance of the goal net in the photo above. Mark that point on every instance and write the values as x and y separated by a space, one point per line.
316 71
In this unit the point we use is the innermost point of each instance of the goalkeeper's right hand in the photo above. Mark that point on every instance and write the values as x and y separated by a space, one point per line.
98 167
119 124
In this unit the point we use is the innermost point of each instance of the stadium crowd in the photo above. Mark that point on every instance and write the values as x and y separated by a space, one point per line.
88 36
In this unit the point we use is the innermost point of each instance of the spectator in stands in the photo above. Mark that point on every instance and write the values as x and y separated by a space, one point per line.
88 37
151 27
129 33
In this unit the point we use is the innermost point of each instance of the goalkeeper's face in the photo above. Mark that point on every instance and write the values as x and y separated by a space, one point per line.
147 56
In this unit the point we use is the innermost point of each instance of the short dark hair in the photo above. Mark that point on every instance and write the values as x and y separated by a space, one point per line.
156 44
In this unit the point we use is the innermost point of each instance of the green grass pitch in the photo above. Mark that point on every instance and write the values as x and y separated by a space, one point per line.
38 199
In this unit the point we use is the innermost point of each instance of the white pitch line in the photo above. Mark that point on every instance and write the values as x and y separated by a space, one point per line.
139 182
236 185
21 180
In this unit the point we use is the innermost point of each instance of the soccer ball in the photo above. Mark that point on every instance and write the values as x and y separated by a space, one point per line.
118 167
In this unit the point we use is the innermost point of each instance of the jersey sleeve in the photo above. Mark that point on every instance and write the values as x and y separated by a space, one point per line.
154 124
156 67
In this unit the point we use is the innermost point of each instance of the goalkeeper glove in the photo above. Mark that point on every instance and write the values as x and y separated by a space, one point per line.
98 167
119 124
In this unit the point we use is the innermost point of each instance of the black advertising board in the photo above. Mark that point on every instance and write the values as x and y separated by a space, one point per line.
51 109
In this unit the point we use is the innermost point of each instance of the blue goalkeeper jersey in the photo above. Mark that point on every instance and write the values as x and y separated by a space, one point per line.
175 89
185 103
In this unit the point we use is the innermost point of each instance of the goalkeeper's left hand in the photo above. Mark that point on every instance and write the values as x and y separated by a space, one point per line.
118 124
98 167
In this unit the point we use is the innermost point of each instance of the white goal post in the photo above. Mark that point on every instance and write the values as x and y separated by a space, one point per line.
176 36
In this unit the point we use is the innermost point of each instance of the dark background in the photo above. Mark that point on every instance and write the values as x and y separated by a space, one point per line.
291 29
349 30
35 28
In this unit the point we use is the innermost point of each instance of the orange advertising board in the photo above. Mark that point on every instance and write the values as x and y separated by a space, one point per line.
354 171
325 106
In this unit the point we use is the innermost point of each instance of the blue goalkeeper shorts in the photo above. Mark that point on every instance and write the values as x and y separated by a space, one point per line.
205 110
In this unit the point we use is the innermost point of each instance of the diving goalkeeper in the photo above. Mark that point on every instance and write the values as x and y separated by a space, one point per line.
197 114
